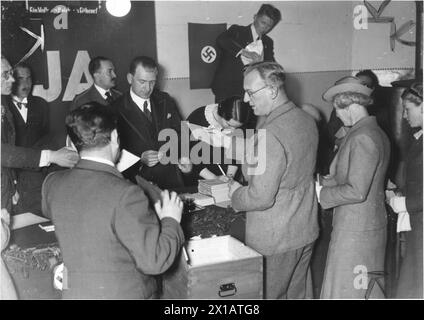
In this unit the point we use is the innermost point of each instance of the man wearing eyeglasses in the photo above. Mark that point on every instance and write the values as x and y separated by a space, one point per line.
240 46
143 112
280 201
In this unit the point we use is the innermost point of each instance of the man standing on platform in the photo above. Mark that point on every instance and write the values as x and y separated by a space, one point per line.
112 243
143 112
242 45
102 91
279 200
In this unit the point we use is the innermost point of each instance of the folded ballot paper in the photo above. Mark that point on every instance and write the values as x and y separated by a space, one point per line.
215 188
255 46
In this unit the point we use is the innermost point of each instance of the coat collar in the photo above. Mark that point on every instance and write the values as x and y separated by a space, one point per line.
279 111
97 166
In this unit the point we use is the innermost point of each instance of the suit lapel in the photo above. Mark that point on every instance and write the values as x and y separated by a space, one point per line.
137 121
247 35
96 96
158 112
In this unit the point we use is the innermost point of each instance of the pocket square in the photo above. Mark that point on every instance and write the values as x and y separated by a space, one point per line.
168 116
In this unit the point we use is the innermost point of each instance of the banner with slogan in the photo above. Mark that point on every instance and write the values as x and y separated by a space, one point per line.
203 53
58 39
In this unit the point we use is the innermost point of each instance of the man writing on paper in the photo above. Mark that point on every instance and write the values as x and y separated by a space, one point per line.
242 45
279 200
112 243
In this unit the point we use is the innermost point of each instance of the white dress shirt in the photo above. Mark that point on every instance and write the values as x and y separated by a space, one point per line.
102 91
140 101
24 110
100 160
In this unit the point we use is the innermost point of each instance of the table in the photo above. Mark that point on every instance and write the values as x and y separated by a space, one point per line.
32 282
38 284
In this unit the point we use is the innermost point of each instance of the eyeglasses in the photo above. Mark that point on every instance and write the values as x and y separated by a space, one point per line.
7 74
251 93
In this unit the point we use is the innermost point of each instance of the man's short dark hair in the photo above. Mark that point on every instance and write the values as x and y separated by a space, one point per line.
271 12
147 63
368 73
23 65
95 63
90 126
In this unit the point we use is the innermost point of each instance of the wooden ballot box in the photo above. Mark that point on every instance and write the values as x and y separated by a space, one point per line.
215 268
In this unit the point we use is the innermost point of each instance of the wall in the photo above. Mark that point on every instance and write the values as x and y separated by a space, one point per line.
316 42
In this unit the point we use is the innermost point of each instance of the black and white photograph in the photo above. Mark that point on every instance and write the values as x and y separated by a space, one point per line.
211 155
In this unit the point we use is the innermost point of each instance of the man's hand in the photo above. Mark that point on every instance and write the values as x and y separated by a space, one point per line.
64 157
185 165
253 56
150 158
171 206
233 186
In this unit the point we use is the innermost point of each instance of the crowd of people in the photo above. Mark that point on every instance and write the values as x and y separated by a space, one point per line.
114 239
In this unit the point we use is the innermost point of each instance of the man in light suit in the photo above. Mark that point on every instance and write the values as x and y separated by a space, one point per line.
228 79
143 112
112 243
280 201
102 91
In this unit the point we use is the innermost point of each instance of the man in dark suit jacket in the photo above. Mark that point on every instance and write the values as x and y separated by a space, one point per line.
112 243
102 91
143 112
19 150
228 79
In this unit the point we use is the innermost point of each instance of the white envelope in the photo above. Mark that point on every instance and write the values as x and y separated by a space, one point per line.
126 160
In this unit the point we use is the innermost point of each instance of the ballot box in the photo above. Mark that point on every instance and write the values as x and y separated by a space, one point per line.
219 267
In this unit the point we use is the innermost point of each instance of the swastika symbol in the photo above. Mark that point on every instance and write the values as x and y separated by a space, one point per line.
208 54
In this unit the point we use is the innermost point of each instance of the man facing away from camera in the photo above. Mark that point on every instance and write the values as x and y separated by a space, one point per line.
112 242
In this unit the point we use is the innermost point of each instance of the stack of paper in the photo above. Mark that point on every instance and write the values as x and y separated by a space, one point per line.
215 188
199 199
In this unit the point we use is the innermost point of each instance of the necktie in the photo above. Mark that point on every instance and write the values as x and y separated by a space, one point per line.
109 98
20 104
147 111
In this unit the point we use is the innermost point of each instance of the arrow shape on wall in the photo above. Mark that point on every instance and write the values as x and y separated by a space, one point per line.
38 43
396 34
376 13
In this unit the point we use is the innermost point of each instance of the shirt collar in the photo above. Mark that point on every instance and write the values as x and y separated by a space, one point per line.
16 99
418 134
210 118
101 91
98 159
254 33
139 101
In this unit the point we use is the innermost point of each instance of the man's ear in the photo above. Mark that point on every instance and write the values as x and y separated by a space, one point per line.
274 92
129 78
114 136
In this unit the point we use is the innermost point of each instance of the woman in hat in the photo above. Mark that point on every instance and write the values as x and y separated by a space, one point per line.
355 190
410 202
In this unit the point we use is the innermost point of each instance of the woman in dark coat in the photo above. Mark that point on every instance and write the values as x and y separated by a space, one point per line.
410 203
228 115
355 189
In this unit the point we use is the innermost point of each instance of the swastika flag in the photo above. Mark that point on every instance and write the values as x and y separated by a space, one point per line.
203 52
